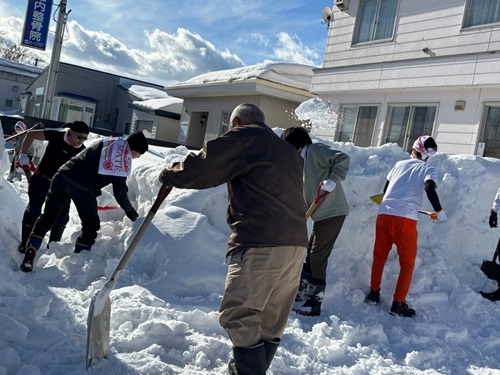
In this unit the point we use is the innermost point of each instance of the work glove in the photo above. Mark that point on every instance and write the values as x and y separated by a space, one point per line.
328 185
24 160
162 179
493 219
437 216
132 214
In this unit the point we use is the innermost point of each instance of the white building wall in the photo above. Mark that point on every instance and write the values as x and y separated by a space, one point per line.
460 65
436 25
455 131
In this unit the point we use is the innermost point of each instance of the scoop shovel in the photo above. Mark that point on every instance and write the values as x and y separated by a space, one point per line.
98 319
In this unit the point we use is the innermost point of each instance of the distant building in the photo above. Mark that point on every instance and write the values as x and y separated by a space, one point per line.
14 79
103 100
157 114
397 69
209 99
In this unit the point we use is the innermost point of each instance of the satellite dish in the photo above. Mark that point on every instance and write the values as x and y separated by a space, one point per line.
326 15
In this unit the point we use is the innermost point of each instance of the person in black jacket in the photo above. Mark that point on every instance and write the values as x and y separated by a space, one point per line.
61 146
80 180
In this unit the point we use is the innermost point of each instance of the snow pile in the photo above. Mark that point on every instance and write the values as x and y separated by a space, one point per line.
164 315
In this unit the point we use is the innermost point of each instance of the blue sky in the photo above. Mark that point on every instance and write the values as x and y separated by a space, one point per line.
169 41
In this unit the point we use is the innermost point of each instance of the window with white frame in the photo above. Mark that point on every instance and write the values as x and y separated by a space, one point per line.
481 12
356 124
69 110
375 20
224 122
490 134
405 123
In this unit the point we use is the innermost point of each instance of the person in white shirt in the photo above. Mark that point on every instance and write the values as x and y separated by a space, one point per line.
397 220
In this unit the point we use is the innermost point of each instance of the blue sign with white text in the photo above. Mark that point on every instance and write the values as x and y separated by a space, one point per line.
36 24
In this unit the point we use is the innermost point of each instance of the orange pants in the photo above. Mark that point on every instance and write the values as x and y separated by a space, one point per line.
401 232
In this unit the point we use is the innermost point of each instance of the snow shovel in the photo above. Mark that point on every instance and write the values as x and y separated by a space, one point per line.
317 201
490 267
98 319
377 199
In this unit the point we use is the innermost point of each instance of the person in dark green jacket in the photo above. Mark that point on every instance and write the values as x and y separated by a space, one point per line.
328 167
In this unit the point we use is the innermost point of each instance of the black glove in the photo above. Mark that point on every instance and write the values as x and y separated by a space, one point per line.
493 219
132 214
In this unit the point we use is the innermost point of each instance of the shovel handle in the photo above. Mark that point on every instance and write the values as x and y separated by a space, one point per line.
12 137
319 197
162 194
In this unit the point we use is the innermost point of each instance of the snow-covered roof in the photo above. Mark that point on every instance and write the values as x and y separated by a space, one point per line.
288 74
169 104
145 92
19 68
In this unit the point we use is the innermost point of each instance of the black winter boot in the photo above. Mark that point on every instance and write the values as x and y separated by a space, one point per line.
29 257
373 297
302 292
312 307
248 361
402 309
493 296
270 348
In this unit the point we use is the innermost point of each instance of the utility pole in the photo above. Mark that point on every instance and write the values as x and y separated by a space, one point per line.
54 60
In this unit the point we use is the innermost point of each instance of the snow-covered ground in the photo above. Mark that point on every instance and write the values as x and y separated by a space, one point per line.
164 314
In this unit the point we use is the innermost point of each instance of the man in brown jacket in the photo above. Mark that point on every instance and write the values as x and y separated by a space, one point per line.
266 213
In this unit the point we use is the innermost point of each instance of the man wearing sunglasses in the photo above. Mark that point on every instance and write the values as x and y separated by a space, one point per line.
61 146
108 161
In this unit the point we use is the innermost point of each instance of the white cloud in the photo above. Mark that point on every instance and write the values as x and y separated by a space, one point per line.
164 58
260 39
291 49
145 51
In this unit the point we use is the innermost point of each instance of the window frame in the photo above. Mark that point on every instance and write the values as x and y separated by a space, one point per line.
359 22
224 125
466 24
355 131
487 106
409 126
62 102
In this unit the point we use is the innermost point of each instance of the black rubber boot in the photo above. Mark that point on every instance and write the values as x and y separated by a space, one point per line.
312 307
270 348
25 234
29 257
248 361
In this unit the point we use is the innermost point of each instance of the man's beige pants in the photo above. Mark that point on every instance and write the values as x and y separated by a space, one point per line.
261 285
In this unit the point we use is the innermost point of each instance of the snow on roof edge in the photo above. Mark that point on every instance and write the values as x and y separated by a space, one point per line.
288 74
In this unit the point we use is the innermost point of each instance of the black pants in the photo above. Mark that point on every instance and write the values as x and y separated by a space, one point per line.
37 192
323 237
62 192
